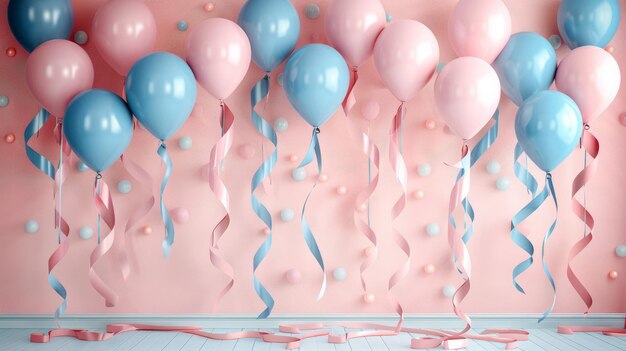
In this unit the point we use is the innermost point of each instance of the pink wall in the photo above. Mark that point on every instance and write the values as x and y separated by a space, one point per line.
188 283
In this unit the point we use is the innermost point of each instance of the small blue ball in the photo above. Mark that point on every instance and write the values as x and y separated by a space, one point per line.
287 215
423 170
298 174
182 26
31 226
492 167
440 66
502 183
4 101
124 186
448 291
281 124
85 232
432 229
82 167
312 11
389 17
185 142
340 274
81 37
281 79
620 250
555 41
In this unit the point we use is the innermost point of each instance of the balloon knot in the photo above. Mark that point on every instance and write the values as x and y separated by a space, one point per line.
98 176
548 175
316 130
587 126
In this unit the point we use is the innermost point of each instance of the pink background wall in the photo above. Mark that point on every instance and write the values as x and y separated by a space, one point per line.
188 283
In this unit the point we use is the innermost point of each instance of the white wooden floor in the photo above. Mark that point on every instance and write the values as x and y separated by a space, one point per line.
540 340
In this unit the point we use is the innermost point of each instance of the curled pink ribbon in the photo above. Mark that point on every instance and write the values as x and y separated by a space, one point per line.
104 205
350 100
218 154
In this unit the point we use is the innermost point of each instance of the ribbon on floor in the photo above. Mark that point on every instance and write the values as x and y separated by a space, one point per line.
218 155
591 147
104 205
309 238
165 213
609 331
258 93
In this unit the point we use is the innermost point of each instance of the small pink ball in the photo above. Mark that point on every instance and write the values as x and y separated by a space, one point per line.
246 151
209 6
370 110
370 251
323 178
429 268
609 49
430 124
294 158
613 274
266 231
11 52
447 130
180 215
362 208
369 298
418 194
147 229
293 276
622 119
342 190
9 138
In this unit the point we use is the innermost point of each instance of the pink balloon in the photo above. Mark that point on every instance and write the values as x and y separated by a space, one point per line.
479 28
591 77
467 92
218 52
124 31
406 56
352 27
56 71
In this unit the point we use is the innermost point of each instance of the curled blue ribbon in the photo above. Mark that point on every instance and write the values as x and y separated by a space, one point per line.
550 186
165 214
522 173
314 149
258 93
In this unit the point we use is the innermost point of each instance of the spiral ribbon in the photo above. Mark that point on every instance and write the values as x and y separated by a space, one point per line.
550 186
106 212
592 148
522 173
165 213
309 238
258 93
218 154
32 129
350 100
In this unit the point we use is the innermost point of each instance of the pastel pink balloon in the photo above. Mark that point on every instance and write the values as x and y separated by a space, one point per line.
591 77
406 56
352 27
479 28
467 93
124 31
218 52
56 71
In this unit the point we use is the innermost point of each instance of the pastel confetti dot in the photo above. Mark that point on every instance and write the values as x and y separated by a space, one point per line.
432 229
312 11
208 7
430 124
492 167
180 215
340 274
293 276
182 26
294 158
613 274
620 250
370 110
503 183
124 186
342 190
281 79
609 49
287 215
323 178
4 101
85 232
370 251
555 41
81 166
423 170
281 124
362 208
369 298
389 17
299 174
11 52
622 119
81 37
9 138
448 291
266 231
147 230
185 142
31 226
429 268
418 194
440 66
246 151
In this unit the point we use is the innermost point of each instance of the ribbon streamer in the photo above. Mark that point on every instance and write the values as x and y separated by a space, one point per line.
258 93
104 205
550 187
38 160
350 100
609 331
591 147
309 238
522 173
218 154
165 213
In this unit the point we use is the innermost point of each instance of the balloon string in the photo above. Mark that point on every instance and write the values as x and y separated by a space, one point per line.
550 186
165 214
259 91
309 238
218 155
104 205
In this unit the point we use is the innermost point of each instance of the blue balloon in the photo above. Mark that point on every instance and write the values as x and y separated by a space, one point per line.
316 82
273 27
161 92
526 65
588 22
548 126
98 126
34 22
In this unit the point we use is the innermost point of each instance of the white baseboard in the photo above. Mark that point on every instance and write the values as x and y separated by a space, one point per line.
98 321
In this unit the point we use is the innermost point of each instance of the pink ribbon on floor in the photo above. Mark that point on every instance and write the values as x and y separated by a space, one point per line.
218 154
609 331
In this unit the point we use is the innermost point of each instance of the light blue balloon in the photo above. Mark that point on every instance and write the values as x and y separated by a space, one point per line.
432 229
81 37
423 170
493 167
548 126
503 183
281 124
124 186
299 174
185 142
182 26
448 291
340 274
312 11
161 92
98 126
287 215
388 17
281 79
273 28
85 232
620 250
4 101
555 41
316 82
82 167
34 22
588 22
526 65
31 226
